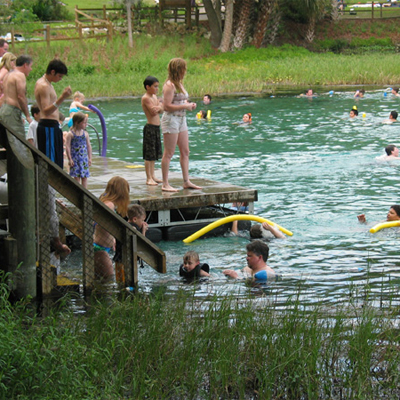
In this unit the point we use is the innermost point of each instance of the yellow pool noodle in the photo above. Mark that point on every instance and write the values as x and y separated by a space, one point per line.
231 218
389 224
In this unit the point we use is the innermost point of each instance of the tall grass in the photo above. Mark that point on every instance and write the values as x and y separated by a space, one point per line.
101 68
185 348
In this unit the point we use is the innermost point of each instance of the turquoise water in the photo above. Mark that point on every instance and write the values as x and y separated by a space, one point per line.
314 170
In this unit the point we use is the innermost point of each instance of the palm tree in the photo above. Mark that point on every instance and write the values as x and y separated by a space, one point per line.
243 25
265 9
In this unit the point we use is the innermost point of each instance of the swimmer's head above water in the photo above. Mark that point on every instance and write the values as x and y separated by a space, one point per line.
353 112
247 117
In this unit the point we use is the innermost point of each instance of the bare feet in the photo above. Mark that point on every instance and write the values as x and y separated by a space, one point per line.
190 185
59 248
168 188
157 180
150 182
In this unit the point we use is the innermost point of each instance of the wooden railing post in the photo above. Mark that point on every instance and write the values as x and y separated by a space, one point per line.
76 15
87 243
48 38
104 12
373 6
80 31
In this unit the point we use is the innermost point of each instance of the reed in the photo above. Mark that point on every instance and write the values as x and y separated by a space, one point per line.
111 69
184 347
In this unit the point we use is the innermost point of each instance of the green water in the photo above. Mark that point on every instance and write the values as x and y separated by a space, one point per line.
314 170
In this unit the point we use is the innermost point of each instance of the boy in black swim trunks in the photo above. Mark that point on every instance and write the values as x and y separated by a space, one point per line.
151 132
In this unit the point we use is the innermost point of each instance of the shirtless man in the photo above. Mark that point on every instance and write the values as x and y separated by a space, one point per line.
49 133
392 118
15 101
257 268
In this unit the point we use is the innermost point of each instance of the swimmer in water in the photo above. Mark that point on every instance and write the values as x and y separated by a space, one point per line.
392 153
354 112
308 93
359 93
392 118
247 118
257 268
192 268
264 231
206 99
392 215
395 92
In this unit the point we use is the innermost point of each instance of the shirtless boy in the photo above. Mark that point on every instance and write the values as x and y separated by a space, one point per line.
48 130
15 101
49 133
151 131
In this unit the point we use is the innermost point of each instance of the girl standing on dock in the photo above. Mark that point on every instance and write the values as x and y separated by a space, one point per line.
79 150
173 123
115 197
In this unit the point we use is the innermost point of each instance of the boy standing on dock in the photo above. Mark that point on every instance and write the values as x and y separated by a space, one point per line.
151 131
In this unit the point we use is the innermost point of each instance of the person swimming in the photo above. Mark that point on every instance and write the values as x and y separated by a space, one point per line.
354 112
247 118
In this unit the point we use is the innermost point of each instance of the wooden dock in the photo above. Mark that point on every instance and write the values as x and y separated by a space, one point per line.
166 209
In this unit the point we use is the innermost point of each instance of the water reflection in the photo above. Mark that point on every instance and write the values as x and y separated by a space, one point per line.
314 170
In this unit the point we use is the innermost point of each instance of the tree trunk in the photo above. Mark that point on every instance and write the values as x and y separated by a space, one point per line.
273 26
264 12
310 31
226 38
214 23
129 18
243 26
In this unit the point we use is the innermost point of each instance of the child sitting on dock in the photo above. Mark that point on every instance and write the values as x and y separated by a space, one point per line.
151 131
78 149
31 135
116 197
192 268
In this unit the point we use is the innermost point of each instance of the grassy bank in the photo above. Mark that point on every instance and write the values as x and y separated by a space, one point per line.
183 348
99 68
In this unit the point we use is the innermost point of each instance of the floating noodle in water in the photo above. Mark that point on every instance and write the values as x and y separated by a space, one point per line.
388 224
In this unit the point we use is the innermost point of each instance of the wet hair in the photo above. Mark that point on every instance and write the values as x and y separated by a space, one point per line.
117 191
208 95
149 81
256 231
259 248
77 118
394 114
362 91
6 60
389 149
78 95
203 113
136 210
396 209
396 89
191 255
22 60
57 66
249 114
34 109
176 72
354 109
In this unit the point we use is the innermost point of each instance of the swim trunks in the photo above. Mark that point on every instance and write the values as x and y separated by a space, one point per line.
151 142
171 123
50 140
12 118
98 247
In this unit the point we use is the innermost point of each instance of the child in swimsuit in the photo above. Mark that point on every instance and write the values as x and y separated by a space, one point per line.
77 105
116 197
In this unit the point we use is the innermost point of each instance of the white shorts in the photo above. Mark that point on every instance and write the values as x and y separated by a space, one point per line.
171 123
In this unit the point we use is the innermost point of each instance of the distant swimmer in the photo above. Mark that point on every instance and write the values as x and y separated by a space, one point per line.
392 215
247 118
308 93
359 93
207 99
392 118
353 112
395 92
264 231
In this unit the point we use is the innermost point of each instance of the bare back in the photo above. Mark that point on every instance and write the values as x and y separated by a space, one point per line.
14 87
45 96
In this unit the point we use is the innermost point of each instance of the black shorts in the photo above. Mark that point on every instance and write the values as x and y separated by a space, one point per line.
152 150
50 140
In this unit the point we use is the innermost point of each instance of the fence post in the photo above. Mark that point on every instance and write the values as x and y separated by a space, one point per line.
381 8
48 34
76 15
12 37
87 243
104 12
80 31
373 6
110 32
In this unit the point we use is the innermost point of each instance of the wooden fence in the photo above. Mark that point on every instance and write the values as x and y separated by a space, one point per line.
374 10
